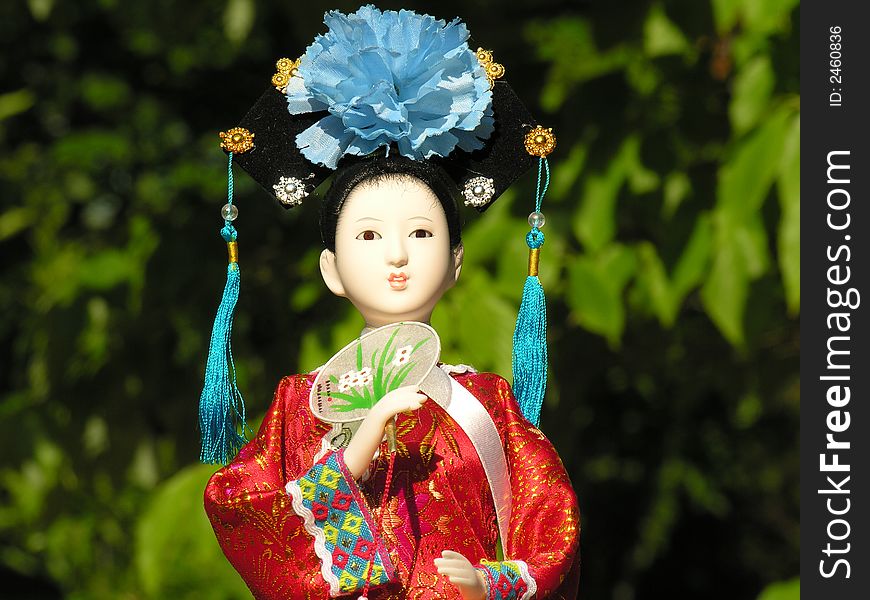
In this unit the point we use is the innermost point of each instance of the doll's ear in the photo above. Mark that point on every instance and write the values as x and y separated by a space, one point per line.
458 254
329 271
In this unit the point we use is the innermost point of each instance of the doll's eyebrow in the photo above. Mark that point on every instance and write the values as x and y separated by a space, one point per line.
369 219
421 217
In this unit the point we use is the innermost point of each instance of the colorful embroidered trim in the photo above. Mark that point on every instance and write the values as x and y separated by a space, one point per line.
336 516
508 580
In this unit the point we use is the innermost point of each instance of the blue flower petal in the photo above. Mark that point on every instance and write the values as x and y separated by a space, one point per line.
325 142
377 114
299 101
391 77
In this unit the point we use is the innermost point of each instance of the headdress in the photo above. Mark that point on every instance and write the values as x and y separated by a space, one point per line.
382 83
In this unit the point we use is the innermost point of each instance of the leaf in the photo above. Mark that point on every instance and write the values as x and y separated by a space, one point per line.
740 241
175 551
770 16
401 375
640 179
595 286
93 343
766 17
694 262
677 188
566 172
595 220
238 19
656 526
653 279
27 490
102 92
40 9
379 371
746 176
305 295
749 409
57 277
353 402
751 240
725 14
789 229
643 75
703 491
753 86
593 301
665 295
13 103
725 291
89 149
782 590
105 269
660 35
569 45
14 221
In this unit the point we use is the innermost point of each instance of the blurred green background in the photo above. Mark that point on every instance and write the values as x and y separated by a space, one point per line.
671 268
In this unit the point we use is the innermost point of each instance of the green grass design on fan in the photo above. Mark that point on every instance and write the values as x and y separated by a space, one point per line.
387 376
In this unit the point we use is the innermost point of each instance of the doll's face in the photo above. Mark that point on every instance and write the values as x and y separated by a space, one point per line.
392 256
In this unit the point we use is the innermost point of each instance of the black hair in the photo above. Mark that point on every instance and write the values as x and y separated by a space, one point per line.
385 168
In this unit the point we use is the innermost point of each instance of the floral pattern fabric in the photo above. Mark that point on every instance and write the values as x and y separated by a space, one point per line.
439 500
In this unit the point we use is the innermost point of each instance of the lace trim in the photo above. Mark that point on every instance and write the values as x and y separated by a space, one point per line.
527 577
508 579
329 477
458 369
316 532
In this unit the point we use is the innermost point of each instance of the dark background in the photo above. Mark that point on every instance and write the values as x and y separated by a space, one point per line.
672 269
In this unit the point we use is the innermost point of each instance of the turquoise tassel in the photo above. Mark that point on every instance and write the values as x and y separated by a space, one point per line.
221 406
530 349
530 336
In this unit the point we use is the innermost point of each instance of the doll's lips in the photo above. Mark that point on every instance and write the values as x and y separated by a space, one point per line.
398 281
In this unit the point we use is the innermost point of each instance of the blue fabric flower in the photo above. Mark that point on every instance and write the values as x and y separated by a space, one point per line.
388 77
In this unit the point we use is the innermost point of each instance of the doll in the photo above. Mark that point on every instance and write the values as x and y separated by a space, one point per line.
312 509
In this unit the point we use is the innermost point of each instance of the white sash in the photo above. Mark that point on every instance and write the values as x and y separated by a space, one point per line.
472 417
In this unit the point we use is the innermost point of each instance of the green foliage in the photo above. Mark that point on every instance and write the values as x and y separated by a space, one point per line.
596 289
671 268
783 590
175 553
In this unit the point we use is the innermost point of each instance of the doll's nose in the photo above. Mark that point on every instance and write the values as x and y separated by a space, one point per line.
397 254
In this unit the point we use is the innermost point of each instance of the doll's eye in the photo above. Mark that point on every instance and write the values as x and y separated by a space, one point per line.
368 234
421 233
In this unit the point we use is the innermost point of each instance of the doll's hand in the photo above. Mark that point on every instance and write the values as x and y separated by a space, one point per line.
401 399
361 450
468 580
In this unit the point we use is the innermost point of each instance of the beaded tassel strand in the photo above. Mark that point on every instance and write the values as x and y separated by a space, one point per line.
221 406
529 360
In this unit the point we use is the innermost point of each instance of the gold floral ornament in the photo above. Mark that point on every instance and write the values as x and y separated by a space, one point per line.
285 69
494 70
237 140
540 141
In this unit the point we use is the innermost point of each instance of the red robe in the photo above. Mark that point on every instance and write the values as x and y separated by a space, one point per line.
439 500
